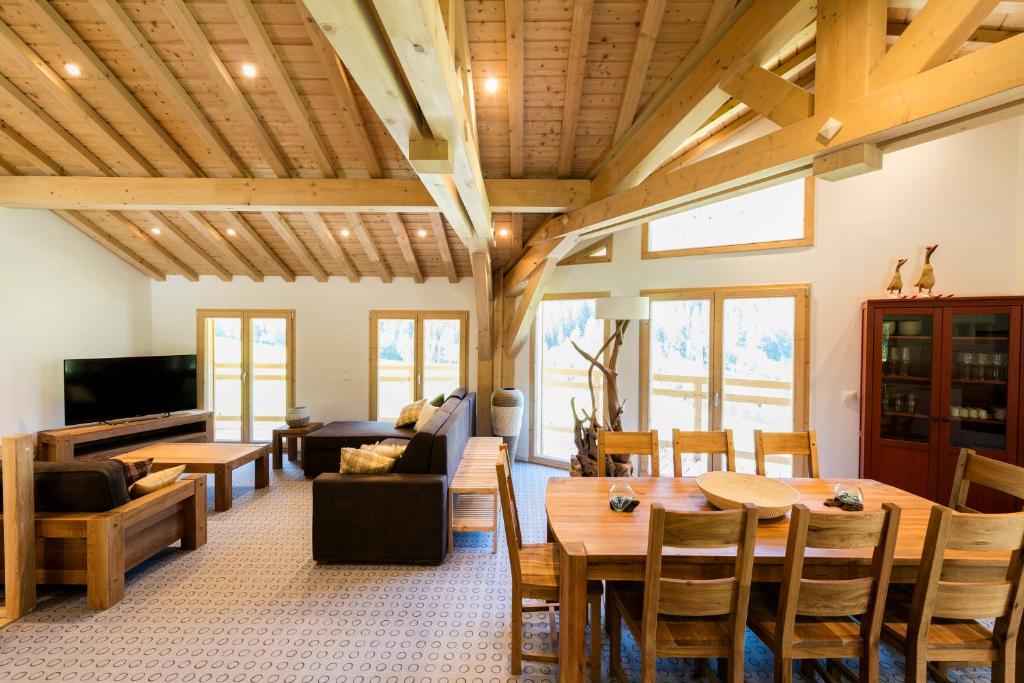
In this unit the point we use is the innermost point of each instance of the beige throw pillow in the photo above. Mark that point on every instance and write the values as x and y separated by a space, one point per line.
426 413
389 450
156 481
358 461
410 413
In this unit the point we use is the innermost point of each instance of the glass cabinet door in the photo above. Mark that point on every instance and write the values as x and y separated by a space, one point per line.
906 377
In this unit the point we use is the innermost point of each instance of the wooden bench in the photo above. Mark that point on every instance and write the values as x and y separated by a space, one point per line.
473 491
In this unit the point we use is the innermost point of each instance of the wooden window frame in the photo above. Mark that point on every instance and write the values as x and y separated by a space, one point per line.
806 241
717 296
246 315
535 372
585 257
418 317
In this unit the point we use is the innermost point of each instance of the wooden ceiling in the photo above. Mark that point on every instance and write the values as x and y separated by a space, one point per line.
163 92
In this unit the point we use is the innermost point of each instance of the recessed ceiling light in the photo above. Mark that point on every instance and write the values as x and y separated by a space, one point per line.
231 232
345 232
421 232
503 232
249 70
73 69
155 231
491 85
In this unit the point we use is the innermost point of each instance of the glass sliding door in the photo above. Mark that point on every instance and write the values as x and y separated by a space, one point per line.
562 320
247 365
731 358
415 354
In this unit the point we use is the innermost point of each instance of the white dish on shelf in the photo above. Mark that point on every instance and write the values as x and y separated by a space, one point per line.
910 328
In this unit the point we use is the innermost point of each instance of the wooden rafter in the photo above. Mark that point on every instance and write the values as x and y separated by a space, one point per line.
934 35
849 42
331 245
8 168
579 43
288 236
405 246
226 246
701 148
517 326
646 39
515 50
91 229
771 96
154 244
18 141
256 241
136 44
163 223
758 33
441 239
355 221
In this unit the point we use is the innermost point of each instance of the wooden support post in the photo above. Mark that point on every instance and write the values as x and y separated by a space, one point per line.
848 162
194 535
19 539
850 41
481 262
104 563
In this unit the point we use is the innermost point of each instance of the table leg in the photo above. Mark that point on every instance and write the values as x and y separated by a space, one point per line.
572 619
302 452
222 488
276 445
293 447
263 471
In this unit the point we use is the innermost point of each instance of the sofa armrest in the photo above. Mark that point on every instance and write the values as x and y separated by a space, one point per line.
384 518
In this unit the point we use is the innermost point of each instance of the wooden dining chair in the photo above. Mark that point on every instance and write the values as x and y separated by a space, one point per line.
939 622
811 619
702 618
711 443
535 568
992 474
797 444
627 443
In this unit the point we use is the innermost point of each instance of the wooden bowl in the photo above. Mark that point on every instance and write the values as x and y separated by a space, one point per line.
730 490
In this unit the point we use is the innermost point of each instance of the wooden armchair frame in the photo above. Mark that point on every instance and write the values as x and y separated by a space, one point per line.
96 549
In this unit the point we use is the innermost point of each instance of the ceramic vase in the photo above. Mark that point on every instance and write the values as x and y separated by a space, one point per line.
297 416
507 406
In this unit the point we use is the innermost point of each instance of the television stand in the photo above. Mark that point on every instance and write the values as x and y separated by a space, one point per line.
100 441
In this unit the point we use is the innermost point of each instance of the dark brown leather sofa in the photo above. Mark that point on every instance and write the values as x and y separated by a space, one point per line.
394 518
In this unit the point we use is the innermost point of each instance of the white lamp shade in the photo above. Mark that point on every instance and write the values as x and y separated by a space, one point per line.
623 308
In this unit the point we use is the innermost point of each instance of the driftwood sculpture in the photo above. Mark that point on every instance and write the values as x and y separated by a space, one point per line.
927 278
586 426
896 283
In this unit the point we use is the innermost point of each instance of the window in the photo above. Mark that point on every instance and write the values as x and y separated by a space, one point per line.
772 218
562 372
413 355
732 358
247 375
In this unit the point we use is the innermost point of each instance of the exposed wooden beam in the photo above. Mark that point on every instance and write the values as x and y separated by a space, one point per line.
18 141
8 168
288 236
274 70
226 246
483 291
643 49
416 31
405 246
88 227
515 51
717 15
934 35
1004 7
941 96
518 323
979 35
27 59
849 42
575 70
441 239
331 245
848 162
144 235
771 96
355 221
189 30
757 34
256 241
135 43
701 148
406 195
163 223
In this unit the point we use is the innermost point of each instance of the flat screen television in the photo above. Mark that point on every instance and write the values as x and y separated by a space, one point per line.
104 389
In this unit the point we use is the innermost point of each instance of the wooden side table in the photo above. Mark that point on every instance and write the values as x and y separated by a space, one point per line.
473 491
294 435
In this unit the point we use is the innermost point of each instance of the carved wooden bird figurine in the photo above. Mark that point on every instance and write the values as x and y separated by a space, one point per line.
927 278
896 283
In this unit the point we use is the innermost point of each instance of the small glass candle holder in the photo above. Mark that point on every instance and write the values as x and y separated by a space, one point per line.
622 497
849 493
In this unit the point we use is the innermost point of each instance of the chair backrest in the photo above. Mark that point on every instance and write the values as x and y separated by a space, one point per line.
797 444
993 474
944 592
712 443
627 443
700 597
861 596
509 512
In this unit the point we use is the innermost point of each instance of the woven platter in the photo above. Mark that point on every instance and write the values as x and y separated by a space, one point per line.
730 490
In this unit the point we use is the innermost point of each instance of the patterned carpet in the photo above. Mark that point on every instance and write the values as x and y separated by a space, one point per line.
251 606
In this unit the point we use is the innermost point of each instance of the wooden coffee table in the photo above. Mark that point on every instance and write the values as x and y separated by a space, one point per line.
218 459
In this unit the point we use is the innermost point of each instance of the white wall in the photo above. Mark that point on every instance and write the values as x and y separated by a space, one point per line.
61 296
964 192
332 329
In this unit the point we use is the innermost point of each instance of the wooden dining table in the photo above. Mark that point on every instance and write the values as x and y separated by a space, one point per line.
597 543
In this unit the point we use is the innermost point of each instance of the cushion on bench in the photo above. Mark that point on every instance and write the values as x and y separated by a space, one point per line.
96 486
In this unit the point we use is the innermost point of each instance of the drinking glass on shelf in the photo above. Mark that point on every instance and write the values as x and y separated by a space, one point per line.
968 372
996 368
905 358
911 403
981 364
